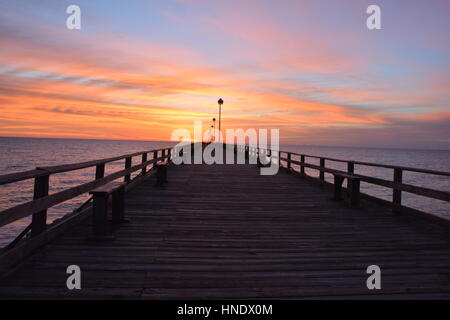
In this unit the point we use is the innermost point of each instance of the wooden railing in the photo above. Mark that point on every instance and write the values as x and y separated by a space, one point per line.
287 159
42 200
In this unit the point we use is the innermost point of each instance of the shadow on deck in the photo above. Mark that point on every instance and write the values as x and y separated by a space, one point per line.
224 231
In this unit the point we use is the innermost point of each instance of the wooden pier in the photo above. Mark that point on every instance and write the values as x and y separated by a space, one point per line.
225 231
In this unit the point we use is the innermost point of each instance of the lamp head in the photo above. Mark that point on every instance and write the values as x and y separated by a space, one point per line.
220 102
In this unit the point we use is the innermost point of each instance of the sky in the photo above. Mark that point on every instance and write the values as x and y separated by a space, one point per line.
137 70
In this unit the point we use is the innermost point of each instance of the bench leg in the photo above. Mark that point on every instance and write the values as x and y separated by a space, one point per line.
354 192
118 206
100 219
161 175
338 187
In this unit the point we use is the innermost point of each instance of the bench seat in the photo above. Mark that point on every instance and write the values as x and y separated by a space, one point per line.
100 207
353 187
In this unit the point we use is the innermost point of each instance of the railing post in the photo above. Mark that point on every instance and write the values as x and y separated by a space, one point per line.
99 171
350 170
322 173
302 167
397 194
127 166
144 159
350 167
155 156
288 161
39 219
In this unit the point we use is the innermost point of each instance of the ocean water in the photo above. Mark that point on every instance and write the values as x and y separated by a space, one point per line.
19 154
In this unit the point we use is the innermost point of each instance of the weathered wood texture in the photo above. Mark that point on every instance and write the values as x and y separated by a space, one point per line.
224 231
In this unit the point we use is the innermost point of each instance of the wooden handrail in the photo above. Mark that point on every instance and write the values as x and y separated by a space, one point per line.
39 171
396 184
87 164
43 201
371 164
430 193
19 176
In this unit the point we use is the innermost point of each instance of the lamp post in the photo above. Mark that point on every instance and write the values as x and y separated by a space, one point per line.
220 102
210 133
214 128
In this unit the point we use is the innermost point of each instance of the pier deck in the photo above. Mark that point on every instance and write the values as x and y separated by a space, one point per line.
224 231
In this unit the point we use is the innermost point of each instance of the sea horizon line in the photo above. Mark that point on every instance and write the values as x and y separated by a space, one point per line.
281 144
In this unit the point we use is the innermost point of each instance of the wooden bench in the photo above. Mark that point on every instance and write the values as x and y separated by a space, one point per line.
100 207
161 173
353 187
